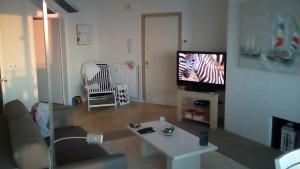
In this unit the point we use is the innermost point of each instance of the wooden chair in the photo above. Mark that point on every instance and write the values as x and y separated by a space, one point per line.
100 91
290 160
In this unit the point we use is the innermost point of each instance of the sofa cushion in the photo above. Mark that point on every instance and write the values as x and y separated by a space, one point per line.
69 131
115 161
6 157
28 146
15 109
74 150
81 153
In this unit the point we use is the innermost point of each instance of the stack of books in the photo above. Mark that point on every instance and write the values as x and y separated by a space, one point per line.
194 114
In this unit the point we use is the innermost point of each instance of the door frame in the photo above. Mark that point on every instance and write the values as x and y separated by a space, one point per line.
2 80
61 52
152 15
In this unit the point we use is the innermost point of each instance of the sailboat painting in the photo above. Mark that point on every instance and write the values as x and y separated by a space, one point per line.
270 35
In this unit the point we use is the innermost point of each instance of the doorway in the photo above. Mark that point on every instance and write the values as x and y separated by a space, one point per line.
55 61
161 38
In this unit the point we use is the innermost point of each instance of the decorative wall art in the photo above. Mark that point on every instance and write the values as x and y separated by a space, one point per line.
84 34
270 35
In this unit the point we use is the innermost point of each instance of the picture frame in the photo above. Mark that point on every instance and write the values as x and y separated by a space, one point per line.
270 36
84 34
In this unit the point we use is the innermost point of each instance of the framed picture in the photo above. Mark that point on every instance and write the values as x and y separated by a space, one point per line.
270 35
84 34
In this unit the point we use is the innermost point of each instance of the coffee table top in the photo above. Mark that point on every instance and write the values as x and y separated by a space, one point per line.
180 145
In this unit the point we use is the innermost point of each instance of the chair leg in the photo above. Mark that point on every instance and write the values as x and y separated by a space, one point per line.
89 102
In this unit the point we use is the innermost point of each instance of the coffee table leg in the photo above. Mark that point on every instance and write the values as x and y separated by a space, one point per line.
147 149
191 162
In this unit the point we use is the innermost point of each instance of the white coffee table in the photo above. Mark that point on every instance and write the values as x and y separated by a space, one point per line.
182 148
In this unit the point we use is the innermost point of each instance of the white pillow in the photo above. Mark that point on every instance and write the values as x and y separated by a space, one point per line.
42 111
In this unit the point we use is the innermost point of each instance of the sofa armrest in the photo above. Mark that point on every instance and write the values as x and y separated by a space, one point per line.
28 146
115 161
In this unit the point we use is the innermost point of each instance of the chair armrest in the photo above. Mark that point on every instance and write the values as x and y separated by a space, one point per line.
115 161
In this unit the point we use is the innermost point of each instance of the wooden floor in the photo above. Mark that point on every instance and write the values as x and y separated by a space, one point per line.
113 123
107 119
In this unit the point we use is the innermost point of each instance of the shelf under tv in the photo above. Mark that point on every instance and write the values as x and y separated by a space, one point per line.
200 89
212 97
200 118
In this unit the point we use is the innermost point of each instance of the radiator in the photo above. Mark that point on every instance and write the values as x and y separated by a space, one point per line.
121 74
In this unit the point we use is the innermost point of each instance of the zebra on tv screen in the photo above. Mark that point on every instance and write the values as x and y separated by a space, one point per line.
202 67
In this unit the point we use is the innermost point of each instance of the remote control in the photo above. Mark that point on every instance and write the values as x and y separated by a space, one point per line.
146 130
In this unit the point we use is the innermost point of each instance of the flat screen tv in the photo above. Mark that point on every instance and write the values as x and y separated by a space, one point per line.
201 70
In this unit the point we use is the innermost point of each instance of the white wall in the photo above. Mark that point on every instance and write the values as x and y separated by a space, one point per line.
18 55
78 54
112 26
252 96
209 25
204 26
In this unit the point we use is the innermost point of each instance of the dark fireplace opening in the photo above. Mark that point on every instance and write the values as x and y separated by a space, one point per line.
277 136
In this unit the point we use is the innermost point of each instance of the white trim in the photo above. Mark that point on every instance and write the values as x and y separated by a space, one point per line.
39 15
270 130
61 62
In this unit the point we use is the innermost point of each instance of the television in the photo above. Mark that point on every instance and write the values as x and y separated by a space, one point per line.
201 70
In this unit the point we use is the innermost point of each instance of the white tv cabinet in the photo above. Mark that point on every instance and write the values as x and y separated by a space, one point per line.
212 97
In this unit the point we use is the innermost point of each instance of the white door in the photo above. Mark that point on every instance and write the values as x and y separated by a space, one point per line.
54 51
17 58
161 44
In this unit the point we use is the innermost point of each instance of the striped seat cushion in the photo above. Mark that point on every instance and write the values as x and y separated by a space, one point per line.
101 81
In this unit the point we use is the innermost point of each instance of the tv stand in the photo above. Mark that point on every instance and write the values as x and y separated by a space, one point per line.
212 97
199 89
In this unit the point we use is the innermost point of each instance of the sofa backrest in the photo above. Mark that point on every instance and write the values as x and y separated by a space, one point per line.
15 109
29 148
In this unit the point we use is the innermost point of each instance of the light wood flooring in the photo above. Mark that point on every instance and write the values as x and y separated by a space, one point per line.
113 123
108 119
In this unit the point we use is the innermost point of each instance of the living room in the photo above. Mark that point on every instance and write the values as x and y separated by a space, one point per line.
252 97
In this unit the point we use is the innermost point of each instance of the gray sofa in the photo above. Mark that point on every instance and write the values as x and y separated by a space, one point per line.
22 146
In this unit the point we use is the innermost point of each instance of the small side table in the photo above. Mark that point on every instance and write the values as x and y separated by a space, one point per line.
122 94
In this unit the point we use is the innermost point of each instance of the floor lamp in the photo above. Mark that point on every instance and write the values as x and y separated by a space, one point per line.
90 138
48 59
